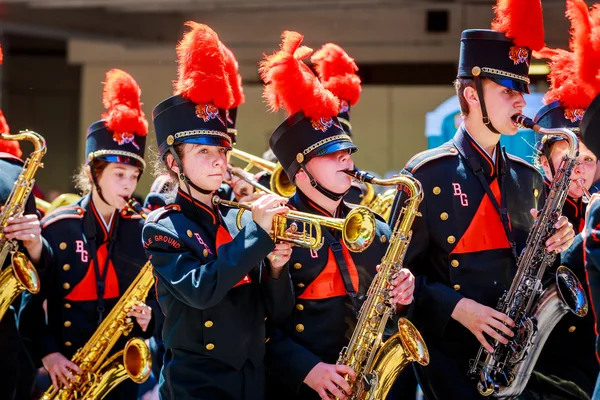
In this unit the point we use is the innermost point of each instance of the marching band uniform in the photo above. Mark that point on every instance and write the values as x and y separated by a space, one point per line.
212 281
330 283
564 109
78 294
461 246
590 126
11 346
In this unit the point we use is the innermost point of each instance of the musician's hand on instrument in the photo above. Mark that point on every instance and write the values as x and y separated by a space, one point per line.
60 369
479 319
562 238
265 208
142 314
240 187
403 287
279 257
251 197
329 378
27 229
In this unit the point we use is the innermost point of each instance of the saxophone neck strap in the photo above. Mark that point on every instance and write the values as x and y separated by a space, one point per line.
473 162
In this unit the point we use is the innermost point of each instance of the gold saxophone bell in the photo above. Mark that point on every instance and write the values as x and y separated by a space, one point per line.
358 228
280 183
20 275
134 362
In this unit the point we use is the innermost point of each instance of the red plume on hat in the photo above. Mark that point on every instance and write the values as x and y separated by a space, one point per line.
235 79
8 146
291 85
121 98
574 74
521 21
337 72
201 76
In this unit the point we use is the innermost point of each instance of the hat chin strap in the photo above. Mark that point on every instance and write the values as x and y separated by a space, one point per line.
486 120
97 186
188 182
327 193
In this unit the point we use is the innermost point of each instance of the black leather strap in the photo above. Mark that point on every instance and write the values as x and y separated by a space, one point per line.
472 161
486 119
336 249
89 230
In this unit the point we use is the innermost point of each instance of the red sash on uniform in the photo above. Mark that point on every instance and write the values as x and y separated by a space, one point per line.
329 282
223 237
86 289
485 231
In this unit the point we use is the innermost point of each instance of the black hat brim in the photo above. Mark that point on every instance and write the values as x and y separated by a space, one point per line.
120 159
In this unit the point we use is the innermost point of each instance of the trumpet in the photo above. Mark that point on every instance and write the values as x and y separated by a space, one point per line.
280 183
251 181
358 228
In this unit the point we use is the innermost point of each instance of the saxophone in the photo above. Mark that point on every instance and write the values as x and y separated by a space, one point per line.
377 364
101 375
21 274
505 372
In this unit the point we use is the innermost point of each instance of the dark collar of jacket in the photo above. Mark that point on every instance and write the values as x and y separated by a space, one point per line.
92 215
195 210
464 142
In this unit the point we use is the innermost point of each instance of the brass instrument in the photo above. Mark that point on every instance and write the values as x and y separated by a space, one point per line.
280 182
136 207
382 203
377 364
21 274
251 181
100 375
61 200
536 310
358 228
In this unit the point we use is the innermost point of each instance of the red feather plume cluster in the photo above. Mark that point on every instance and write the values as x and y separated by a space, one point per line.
574 74
201 76
1 55
521 21
235 79
291 85
121 98
8 146
337 72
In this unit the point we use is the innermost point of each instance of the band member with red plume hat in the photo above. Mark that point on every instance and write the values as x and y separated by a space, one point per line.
16 374
93 250
337 72
216 284
477 210
573 86
330 284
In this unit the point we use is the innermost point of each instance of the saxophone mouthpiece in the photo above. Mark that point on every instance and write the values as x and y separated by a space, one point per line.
360 176
525 122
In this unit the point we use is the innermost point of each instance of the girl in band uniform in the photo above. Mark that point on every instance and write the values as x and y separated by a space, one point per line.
216 284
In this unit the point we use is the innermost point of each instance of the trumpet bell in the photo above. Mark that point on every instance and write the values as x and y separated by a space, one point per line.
359 229
280 183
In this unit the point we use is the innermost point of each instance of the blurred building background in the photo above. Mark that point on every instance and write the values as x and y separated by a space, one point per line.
56 53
